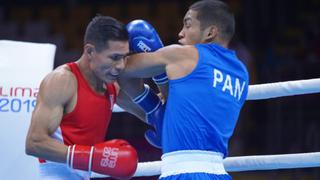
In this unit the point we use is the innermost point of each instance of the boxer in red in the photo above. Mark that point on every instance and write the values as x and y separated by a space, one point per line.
74 107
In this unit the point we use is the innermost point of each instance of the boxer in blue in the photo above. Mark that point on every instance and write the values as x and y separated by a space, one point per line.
208 86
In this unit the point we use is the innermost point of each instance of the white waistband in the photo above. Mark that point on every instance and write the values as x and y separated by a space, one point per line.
192 161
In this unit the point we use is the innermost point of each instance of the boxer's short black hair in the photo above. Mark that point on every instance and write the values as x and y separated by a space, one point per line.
102 29
215 12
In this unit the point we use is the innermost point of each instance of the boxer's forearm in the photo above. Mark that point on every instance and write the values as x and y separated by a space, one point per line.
46 148
144 65
126 103
131 86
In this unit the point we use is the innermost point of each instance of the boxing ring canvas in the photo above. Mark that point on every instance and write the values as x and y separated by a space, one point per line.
22 67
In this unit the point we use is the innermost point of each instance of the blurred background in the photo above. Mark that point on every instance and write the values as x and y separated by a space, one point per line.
278 40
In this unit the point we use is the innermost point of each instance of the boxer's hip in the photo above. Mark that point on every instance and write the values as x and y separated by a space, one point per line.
192 162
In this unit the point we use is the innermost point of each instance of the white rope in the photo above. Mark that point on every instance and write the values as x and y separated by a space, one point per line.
243 163
280 89
274 90
262 162
268 162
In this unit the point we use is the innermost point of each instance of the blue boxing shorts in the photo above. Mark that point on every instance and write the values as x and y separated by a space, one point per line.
193 165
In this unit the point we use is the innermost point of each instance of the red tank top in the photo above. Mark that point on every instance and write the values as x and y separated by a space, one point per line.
87 124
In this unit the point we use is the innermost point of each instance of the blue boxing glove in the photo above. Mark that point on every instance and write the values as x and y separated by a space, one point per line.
154 109
144 38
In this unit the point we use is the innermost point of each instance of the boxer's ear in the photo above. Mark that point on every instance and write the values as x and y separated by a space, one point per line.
210 33
89 49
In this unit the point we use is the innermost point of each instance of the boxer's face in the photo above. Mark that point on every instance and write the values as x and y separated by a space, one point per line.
190 33
108 63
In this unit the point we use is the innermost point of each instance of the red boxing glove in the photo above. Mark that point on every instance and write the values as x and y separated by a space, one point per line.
115 158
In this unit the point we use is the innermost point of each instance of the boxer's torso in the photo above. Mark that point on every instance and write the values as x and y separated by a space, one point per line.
203 106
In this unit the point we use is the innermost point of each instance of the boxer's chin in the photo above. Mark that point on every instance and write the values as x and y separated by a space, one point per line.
181 41
111 79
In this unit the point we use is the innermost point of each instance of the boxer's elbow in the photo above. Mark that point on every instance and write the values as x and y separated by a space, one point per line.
30 147
33 145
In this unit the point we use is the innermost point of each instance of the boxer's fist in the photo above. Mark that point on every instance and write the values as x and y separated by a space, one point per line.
155 119
143 37
115 158
154 108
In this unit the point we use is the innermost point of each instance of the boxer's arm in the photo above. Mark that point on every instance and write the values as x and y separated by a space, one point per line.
55 91
145 65
126 103
144 38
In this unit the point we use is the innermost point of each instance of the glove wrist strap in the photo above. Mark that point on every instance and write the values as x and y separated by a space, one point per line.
148 100
160 79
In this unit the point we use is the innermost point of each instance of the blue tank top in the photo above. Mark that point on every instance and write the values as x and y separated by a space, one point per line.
203 106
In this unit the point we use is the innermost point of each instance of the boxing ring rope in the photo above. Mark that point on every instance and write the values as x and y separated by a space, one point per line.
243 163
278 89
260 162
281 89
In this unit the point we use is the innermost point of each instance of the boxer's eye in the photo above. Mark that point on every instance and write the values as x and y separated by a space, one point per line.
116 57
187 23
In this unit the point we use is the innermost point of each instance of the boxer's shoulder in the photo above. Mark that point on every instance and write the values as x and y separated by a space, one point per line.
60 83
62 75
176 53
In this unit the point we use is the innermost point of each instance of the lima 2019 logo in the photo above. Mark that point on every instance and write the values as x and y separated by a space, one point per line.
18 99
